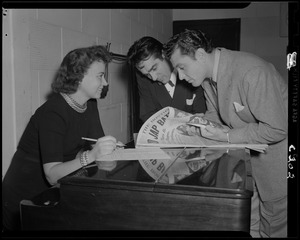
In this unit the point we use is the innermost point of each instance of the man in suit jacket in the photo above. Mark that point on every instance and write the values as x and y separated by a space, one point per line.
248 96
158 82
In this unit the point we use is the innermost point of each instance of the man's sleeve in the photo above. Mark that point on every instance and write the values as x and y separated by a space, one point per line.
148 103
267 104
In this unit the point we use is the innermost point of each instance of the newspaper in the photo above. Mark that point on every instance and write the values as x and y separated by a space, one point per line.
171 127
183 163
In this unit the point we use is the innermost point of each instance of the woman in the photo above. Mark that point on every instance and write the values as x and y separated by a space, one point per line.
51 146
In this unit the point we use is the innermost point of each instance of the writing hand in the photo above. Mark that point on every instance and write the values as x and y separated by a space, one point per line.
103 146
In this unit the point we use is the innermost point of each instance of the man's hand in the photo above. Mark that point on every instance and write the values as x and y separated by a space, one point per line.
215 133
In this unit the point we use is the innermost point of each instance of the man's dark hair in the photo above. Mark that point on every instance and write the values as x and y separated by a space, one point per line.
75 65
143 49
188 42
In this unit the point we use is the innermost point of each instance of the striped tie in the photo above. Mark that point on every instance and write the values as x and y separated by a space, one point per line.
171 83
214 86
213 91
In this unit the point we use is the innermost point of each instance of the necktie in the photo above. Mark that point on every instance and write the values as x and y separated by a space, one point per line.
214 86
213 91
171 83
170 88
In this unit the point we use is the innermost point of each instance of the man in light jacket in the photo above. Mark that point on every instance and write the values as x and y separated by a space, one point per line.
248 96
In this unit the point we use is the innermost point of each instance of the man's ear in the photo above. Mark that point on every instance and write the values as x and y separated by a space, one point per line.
200 54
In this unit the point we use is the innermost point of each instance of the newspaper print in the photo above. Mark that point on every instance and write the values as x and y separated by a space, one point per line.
171 127
189 161
168 128
202 122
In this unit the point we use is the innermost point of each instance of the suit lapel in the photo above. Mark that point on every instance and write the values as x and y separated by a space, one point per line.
224 85
163 96
180 93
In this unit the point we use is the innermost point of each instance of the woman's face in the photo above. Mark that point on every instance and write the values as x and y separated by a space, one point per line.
94 80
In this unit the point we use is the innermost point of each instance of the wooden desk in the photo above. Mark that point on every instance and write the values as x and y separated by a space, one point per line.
212 197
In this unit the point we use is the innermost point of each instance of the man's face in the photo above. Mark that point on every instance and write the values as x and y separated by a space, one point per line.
192 70
155 69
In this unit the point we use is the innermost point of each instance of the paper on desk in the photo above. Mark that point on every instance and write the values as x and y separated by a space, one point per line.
135 154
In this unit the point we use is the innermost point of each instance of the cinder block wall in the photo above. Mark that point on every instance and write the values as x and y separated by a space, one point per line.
36 40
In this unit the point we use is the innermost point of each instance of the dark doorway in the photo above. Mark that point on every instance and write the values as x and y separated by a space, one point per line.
223 32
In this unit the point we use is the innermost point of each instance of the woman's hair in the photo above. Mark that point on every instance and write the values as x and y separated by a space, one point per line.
143 49
75 65
188 42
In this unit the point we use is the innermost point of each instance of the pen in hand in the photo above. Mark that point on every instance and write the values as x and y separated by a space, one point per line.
119 144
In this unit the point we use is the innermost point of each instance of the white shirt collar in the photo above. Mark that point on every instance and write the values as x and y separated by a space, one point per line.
170 88
173 77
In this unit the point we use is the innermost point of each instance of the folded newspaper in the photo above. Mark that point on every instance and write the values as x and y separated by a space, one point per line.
171 127
183 163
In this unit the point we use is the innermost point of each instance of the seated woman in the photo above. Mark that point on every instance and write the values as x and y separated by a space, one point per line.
51 146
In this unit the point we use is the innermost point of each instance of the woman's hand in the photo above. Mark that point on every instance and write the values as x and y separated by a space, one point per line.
103 146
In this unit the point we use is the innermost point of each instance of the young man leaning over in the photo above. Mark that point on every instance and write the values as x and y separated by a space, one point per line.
158 81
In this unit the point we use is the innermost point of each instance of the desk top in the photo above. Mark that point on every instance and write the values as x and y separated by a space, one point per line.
207 169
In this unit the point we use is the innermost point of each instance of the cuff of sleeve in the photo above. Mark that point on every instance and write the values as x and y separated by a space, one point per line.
237 136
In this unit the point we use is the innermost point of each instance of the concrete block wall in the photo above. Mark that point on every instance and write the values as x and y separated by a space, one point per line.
38 39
